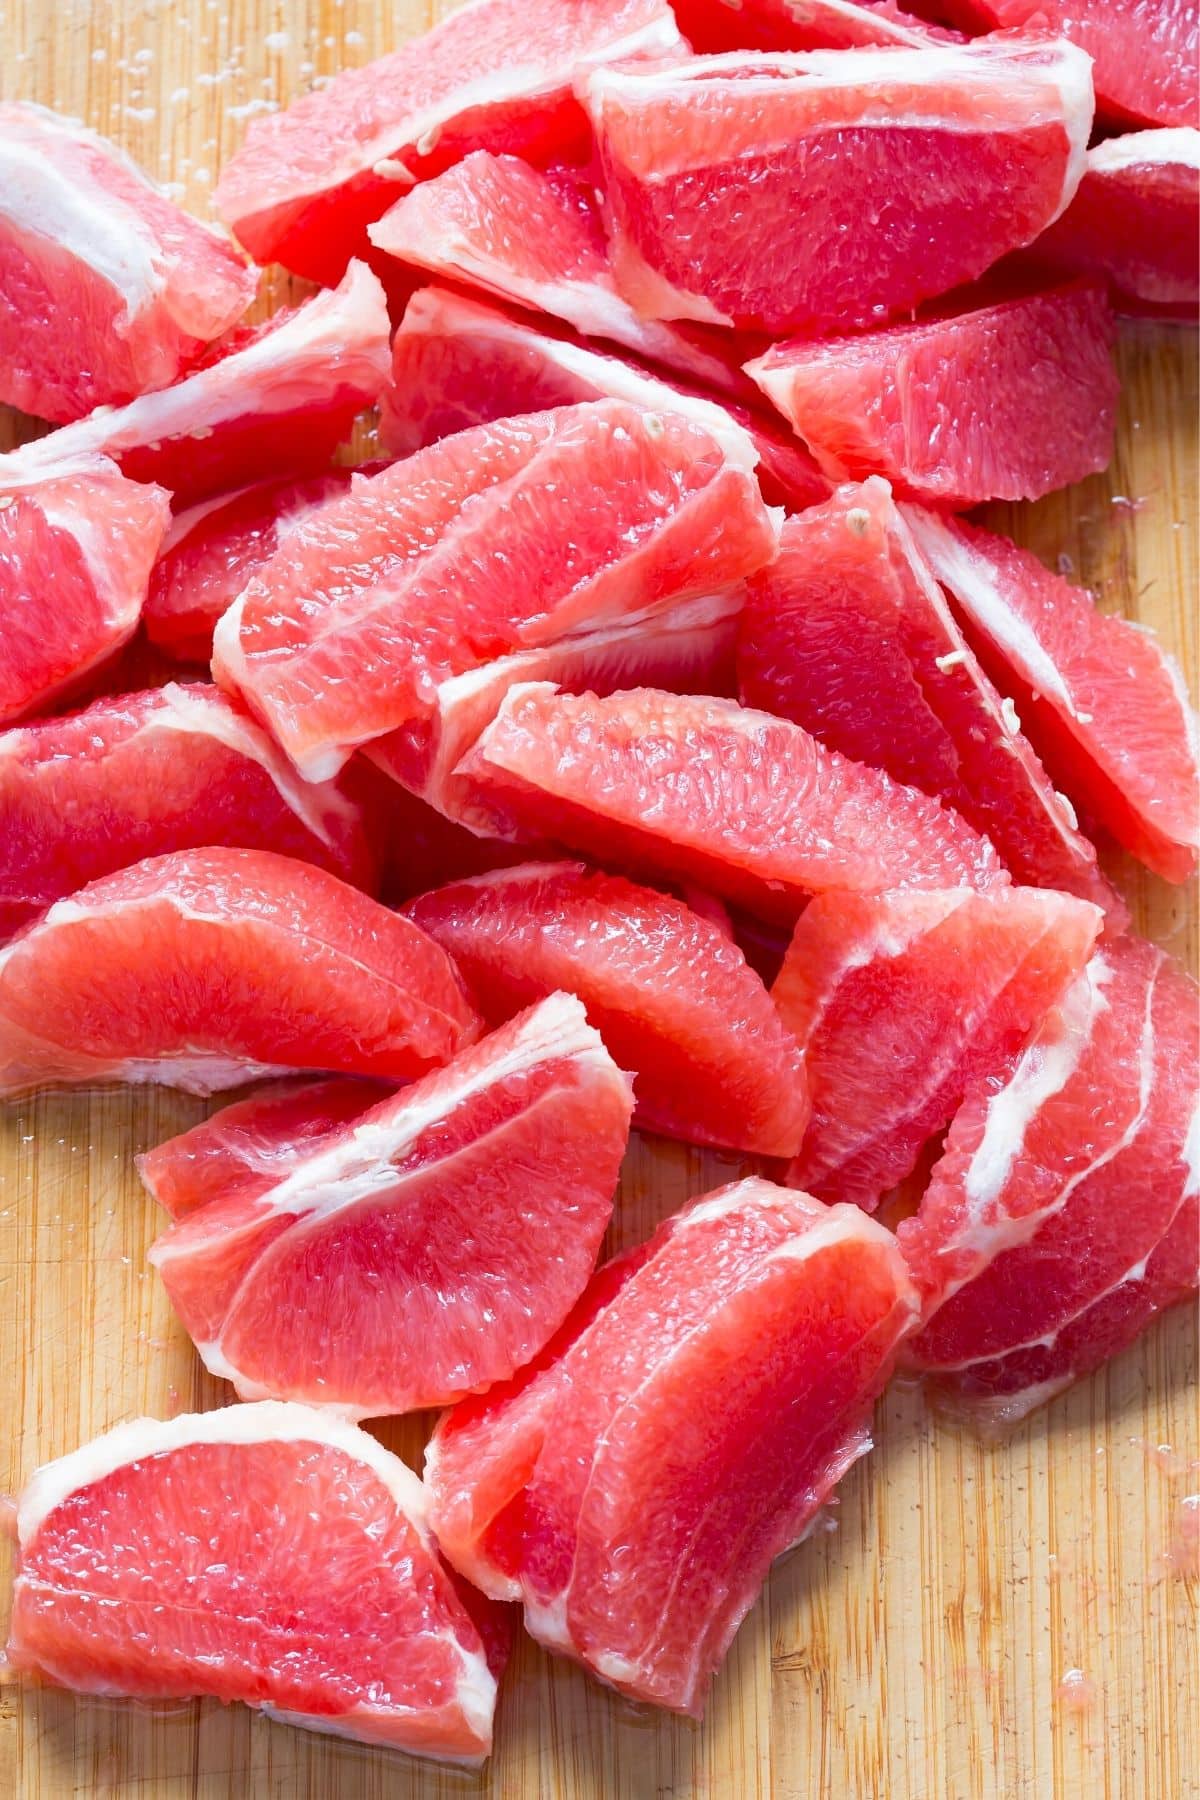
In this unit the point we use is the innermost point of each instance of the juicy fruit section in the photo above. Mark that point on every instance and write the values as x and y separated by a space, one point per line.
632 583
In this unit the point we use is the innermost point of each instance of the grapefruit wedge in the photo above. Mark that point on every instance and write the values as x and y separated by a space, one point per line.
212 549
173 769
1062 1177
1002 402
698 1409
1135 223
1144 51
534 238
508 537
318 1597
457 363
248 1147
77 543
849 635
427 1248
281 398
668 990
913 171
747 805
900 1002
308 181
206 968
106 287
1101 700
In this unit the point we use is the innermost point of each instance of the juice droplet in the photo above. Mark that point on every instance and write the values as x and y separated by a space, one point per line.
1076 1693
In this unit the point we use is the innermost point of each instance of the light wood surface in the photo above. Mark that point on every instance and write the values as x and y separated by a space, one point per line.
923 1650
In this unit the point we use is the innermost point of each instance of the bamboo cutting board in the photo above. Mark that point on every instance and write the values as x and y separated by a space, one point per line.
1013 1621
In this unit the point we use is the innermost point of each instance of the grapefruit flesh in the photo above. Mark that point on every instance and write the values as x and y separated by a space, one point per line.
248 1147
206 968
457 363
282 398
1135 222
172 769
213 548
710 1392
508 537
77 543
1144 51
534 238
749 806
1062 1177
1102 702
1002 402
668 990
318 1598
913 171
106 287
308 181
426 1249
688 647
899 1002
713 26
849 635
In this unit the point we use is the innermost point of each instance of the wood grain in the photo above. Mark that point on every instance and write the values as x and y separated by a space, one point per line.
917 1651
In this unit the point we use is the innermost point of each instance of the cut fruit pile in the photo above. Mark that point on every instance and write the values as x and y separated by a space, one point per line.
691 340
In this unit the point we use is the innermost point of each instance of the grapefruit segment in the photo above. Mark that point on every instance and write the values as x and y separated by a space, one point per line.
1135 222
281 397
899 1002
318 1598
412 578
177 768
248 1147
1062 1175
77 543
913 169
429 1247
308 181
457 363
106 287
213 548
206 968
749 806
669 992
1002 402
1104 704
849 635
759 1319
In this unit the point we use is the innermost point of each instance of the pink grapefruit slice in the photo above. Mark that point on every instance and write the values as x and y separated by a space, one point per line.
1103 703
749 806
913 169
248 1147
668 990
1001 402
1144 51
900 1002
279 398
318 1597
1135 222
308 181
1061 1177
206 968
212 549
767 1323
176 768
713 26
77 543
457 363
409 580
849 635
106 287
429 1247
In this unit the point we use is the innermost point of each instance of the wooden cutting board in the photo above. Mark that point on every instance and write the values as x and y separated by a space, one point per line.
1013 1621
